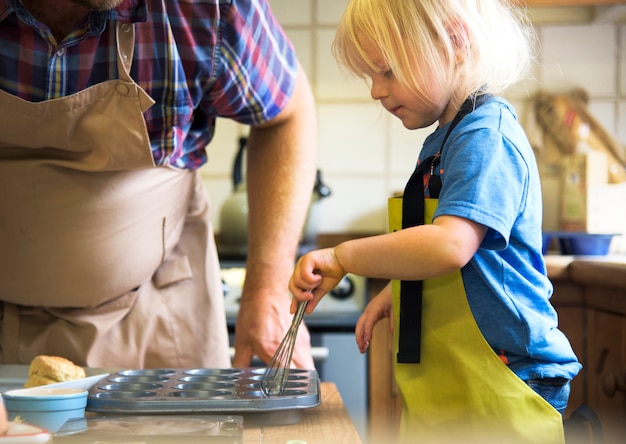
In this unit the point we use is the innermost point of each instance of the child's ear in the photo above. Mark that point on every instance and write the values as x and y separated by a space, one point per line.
459 37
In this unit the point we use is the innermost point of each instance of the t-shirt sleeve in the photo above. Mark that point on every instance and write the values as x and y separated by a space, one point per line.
257 65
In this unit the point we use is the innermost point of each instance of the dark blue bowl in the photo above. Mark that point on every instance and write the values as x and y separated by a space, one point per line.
584 244
578 243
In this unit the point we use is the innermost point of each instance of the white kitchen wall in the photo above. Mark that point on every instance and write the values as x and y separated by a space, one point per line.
365 154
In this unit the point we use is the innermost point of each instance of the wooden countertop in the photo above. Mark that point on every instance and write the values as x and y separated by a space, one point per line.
608 271
596 282
329 423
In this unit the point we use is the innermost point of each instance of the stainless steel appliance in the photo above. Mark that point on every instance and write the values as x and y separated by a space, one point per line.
233 237
337 358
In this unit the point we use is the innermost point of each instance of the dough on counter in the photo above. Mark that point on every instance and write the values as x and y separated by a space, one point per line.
51 369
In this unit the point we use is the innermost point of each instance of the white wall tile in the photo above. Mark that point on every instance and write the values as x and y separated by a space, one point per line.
527 87
397 184
352 138
604 112
223 148
330 11
303 43
621 133
292 12
357 204
579 56
332 82
622 58
405 146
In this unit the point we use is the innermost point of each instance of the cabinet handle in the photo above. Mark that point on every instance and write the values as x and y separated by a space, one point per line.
611 384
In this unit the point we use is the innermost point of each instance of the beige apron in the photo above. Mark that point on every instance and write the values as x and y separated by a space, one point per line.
460 391
105 259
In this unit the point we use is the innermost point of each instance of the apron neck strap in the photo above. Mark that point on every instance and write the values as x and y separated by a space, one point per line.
410 328
125 35
471 103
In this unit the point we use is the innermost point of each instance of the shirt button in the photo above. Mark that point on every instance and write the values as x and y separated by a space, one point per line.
60 52
122 89
125 27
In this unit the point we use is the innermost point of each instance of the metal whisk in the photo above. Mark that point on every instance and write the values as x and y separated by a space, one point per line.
275 377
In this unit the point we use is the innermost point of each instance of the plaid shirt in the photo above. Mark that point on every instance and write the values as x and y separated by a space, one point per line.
198 59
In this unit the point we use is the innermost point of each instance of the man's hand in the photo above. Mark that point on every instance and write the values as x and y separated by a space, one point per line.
260 329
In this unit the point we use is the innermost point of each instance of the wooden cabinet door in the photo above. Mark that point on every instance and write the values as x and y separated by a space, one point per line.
571 322
606 371
568 301
385 403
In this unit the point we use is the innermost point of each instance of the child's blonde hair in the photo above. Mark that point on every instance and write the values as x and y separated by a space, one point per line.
461 44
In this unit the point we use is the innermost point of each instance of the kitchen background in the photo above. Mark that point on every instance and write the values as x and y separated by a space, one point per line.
365 154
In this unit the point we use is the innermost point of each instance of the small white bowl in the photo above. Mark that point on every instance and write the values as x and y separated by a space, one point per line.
49 408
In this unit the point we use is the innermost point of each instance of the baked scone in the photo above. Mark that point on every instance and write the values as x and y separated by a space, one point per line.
51 369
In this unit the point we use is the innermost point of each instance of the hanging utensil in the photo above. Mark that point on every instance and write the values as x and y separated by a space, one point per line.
233 235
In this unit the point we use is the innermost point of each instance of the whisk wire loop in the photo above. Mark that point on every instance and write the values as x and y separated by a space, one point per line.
274 379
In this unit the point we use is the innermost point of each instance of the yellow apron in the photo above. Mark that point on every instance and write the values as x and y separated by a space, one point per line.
106 259
460 391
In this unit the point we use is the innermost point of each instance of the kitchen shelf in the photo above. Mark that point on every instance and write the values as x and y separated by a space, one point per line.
541 3
576 11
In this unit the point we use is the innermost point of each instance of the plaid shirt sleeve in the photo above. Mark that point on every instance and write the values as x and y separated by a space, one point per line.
198 59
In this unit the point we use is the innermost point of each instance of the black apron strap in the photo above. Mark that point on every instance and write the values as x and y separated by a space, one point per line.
410 334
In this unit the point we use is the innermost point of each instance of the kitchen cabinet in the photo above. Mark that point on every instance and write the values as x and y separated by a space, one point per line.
590 298
385 402
575 11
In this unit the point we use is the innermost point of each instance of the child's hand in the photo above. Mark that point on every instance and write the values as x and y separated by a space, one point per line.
378 308
315 274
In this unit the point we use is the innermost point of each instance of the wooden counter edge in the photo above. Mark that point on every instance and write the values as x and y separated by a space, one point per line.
605 271
601 271
329 423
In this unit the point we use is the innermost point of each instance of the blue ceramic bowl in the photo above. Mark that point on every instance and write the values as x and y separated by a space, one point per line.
48 408
578 243
586 244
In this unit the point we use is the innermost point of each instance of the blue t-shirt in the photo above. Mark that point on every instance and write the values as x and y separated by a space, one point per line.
489 175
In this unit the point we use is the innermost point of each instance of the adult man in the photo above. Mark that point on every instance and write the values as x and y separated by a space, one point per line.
107 253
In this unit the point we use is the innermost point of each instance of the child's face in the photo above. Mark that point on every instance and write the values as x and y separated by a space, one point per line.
412 109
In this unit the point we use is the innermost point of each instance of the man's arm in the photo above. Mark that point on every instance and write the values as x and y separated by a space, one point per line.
281 166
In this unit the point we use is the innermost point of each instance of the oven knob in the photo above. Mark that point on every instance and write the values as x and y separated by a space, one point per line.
344 289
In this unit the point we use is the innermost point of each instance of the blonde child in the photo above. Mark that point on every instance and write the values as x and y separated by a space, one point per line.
479 357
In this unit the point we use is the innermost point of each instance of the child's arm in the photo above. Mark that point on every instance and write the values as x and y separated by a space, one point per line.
377 309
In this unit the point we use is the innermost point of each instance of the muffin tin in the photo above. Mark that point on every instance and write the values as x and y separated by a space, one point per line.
200 390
